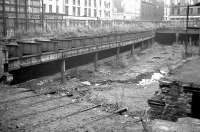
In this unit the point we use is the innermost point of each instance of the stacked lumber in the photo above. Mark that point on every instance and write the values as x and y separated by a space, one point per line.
171 101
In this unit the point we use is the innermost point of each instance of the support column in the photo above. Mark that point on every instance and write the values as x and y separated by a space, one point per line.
63 71
177 38
184 54
149 43
190 40
95 61
199 42
132 49
142 45
152 41
190 45
146 44
117 55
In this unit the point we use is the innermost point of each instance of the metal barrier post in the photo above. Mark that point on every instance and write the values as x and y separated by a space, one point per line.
4 20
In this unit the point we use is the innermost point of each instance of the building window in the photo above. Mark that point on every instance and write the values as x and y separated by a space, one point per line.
44 7
57 9
100 3
172 11
79 3
79 11
74 2
191 11
85 2
50 8
95 13
99 13
95 3
178 11
89 11
66 1
67 10
198 10
74 11
85 12
90 3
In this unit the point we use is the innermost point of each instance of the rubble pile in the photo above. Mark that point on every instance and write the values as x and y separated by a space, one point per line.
182 125
170 102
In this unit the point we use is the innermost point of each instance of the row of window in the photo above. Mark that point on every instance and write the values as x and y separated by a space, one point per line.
87 12
179 12
76 11
89 3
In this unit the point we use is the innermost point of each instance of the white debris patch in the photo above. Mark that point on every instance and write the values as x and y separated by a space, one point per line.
154 78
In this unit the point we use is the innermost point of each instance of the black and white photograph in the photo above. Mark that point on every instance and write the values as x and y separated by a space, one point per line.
99 65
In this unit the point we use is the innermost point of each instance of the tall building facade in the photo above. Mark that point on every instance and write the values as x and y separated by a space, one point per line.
166 9
126 9
81 9
139 9
21 8
178 10
152 10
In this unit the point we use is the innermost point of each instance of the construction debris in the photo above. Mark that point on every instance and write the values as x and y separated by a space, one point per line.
183 125
170 102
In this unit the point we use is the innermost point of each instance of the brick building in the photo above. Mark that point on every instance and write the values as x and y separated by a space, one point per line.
179 8
15 15
81 9
139 9
126 9
152 10
20 8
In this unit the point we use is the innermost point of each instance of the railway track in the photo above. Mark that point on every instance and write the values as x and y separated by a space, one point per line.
38 102
18 91
29 120
21 98
43 111
76 113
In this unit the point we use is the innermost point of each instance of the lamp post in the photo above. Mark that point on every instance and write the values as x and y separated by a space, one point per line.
188 27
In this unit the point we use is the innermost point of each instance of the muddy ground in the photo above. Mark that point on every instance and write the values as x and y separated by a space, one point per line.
127 83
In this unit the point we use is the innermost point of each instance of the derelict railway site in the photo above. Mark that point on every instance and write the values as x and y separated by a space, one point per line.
99 66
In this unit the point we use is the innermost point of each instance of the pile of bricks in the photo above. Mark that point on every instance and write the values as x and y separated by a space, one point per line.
170 102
